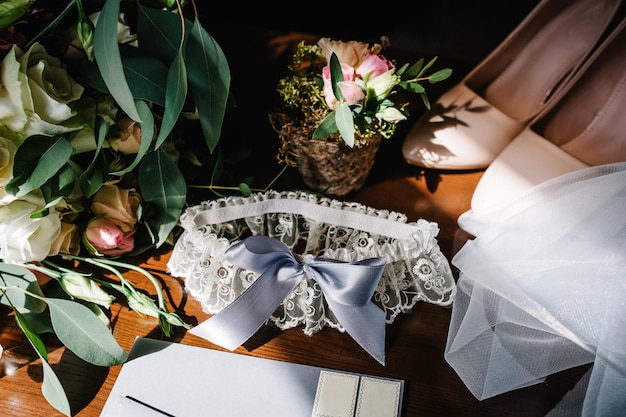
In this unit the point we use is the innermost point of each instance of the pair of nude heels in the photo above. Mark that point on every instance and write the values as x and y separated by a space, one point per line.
471 124
583 125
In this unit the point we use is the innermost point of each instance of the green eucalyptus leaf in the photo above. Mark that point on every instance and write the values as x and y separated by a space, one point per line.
426 67
11 11
345 123
107 54
162 184
425 100
413 87
327 127
160 32
147 133
40 323
175 95
32 336
36 161
93 177
61 184
209 81
53 390
20 277
244 189
145 75
51 387
81 331
400 71
414 70
336 75
439 75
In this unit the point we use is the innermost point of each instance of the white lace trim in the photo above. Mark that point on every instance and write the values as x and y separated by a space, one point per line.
311 226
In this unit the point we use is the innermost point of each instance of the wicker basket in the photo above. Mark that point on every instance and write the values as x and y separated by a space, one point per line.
333 167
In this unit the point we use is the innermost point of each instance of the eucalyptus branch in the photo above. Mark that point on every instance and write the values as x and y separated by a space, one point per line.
4 289
247 189
44 270
110 265
134 297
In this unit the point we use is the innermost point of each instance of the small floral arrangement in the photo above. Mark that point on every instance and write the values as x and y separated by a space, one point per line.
100 103
345 91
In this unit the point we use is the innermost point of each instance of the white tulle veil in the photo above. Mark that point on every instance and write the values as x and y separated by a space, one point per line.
542 288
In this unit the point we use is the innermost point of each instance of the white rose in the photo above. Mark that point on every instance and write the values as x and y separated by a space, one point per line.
12 113
7 156
38 92
391 115
24 238
381 86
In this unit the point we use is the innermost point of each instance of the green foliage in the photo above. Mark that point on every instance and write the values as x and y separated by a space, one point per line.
51 388
107 54
78 325
164 187
84 333
172 70
37 161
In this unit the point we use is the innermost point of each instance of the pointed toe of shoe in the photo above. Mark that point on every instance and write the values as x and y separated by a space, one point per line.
527 161
461 132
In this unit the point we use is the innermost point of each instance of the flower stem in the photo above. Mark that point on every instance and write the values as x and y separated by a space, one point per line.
110 265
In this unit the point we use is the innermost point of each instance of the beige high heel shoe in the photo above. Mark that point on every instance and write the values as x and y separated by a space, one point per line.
584 125
470 125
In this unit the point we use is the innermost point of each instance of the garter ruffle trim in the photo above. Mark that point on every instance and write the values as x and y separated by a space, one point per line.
315 226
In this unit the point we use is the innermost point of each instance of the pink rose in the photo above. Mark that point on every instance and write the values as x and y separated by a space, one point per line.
103 237
372 66
119 205
352 88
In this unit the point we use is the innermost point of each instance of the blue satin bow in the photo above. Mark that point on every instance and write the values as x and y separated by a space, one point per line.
347 286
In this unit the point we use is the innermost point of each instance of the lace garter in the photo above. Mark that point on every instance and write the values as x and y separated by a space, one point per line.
309 225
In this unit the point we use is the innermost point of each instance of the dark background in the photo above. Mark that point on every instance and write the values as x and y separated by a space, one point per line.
259 40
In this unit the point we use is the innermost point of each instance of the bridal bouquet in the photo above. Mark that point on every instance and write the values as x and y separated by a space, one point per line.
97 100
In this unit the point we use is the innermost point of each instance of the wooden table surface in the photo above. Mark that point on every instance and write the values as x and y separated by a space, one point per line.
415 341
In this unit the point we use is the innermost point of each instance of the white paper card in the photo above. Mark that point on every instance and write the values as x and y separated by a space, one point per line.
378 397
188 381
336 394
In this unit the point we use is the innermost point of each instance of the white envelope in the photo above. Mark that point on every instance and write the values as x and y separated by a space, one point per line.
163 379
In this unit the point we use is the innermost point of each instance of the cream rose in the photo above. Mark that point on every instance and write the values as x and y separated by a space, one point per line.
7 156
129 139
117 204
24 238
68 240
351 53
38 91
